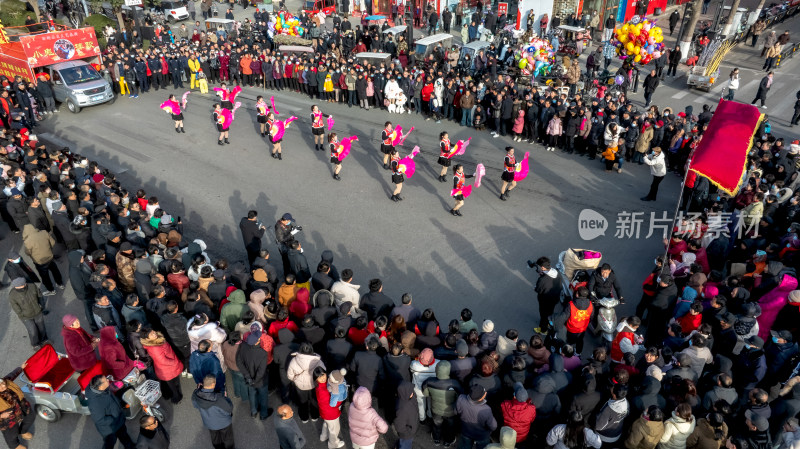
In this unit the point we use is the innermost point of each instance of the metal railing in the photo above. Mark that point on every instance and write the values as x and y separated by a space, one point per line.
788 52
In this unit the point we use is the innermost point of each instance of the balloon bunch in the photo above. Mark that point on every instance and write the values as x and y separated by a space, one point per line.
286 23
536 57
639 39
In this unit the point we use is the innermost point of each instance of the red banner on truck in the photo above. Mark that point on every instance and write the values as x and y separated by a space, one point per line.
59 46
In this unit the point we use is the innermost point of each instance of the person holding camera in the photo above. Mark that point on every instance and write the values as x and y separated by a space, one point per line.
252 231
285 229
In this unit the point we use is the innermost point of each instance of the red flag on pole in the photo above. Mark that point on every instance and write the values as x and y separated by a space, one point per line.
721 155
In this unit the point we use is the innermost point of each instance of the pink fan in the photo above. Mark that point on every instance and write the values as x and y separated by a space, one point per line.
226 118
275 111
346 144
234 92
466 191
330 123
235 107
171 106
282 125
480 170
402 137
407 165
461 146
184 99
521 171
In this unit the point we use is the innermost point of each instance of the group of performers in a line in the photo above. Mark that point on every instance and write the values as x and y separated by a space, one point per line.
391 138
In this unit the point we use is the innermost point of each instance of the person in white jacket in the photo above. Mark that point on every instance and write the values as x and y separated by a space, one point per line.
733 84
300 372
200 328
423 369
345 291
612 133
573 434
658 168
678 428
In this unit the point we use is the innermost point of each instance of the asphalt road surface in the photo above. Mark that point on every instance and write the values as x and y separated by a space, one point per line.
416 246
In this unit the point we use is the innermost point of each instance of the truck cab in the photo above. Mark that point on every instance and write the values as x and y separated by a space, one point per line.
78 84
316 6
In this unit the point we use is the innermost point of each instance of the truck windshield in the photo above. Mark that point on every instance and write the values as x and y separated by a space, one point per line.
80 74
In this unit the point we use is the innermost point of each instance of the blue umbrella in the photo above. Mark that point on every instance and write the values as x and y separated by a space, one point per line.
376 17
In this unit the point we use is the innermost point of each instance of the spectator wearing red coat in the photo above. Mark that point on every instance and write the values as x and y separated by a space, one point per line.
281 321
78 343
167 365
330 414
115 360
519 412
300 307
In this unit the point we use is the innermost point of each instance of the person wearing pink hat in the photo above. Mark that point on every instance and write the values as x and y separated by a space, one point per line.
78 343
423 369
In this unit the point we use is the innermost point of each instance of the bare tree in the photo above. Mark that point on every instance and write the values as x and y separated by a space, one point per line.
686 38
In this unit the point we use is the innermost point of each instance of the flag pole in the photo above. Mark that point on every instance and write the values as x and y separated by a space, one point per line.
677 209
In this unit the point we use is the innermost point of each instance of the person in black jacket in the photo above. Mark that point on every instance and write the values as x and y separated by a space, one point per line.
45 90
79 276
376 303
675 57
18 208
659 308
368 367
17 268
107 414
37 215
252 231
406 420
252 360
285 229
338 350
603 282
24 102
651 82
152 434
548 289
175 326
298 265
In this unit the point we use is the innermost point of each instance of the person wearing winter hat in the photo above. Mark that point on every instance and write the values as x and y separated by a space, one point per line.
519 412
79 344
423 369
330 411
488 338
477 421
28 304
443 392
463 366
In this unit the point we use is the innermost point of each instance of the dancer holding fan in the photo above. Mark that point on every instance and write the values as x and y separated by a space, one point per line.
513 172
387 147
460 191
318 127
339 151
276 130
262 110
446 152
400 169
509 167
219 119
227 98
172 107
261 114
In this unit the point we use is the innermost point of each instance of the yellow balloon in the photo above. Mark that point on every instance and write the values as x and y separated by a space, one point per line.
523 63
629 46
622 38
659 39
637 58
625 28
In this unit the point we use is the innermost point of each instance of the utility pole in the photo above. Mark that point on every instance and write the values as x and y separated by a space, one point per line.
688 31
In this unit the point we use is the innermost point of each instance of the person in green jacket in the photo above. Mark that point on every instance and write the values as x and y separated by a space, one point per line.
232 311
28 303
443 392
